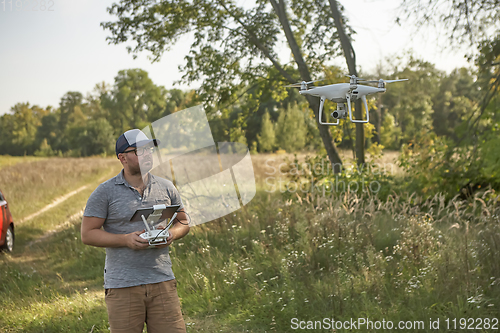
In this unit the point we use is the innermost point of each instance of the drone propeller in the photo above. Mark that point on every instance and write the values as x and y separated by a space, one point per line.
389 81
300 84
385 81
382 82
354 80
355 77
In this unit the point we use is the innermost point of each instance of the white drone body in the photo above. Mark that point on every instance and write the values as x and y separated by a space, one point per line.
342 93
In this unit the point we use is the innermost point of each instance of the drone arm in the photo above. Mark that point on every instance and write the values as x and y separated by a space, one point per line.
348 97
321 104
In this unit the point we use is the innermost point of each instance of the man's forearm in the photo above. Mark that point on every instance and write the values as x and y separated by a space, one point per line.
179 230
101 238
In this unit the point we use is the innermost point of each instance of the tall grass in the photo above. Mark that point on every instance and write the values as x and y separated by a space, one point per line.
308 257
343 258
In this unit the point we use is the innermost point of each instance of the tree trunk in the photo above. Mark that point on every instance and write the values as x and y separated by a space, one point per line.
350 58
324 131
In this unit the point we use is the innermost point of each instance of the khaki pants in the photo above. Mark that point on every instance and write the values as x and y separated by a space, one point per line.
156 304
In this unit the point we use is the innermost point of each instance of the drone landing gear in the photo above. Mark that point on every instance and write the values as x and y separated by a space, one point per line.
363 98
341 111
321 104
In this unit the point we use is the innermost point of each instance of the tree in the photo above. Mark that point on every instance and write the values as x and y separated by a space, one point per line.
233 44
71 109
18 129
462 20
390 134
134 101
179 100
457 98
45 150
95 101
95 137
438 164
267 137
350 57
71 113
411 103
50 131
291 129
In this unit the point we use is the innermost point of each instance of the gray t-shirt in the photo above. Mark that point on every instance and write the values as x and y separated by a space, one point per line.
116 201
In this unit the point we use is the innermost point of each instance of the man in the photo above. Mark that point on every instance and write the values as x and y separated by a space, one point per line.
139 283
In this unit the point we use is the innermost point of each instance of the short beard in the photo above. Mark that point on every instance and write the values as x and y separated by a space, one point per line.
135 171
145 169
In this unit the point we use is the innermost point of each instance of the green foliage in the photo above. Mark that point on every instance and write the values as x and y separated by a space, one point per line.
461 21
18 129
437 165
410 103
71 109
390 133
84 126
237 130
95 137
456 100
134 101
338 258
267 137
45 150
314 177
237 135
178 100
230 41
290 129
422 160
50 131
469 163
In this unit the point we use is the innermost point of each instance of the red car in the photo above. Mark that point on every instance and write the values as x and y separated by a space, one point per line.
6 226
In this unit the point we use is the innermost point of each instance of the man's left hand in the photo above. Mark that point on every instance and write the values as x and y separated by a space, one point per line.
170 238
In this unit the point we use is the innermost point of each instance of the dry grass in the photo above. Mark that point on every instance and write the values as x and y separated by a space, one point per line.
266 165
31 185
7 160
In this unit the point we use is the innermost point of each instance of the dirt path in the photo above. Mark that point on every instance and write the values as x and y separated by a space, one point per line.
54 203
63 198
73 219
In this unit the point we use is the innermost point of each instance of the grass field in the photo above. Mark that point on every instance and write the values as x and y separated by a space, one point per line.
6 160
33 184
279 258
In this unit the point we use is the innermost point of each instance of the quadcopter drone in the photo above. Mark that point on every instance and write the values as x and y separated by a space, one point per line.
342 93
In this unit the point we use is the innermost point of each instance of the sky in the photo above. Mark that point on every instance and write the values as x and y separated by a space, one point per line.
45 54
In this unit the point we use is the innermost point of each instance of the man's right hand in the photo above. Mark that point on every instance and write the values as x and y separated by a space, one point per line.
136 242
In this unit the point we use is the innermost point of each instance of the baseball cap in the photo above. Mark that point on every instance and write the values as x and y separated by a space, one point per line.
132 138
